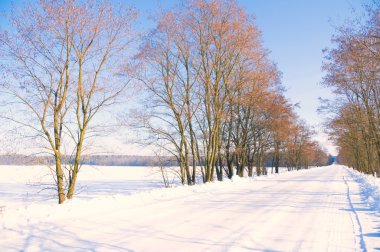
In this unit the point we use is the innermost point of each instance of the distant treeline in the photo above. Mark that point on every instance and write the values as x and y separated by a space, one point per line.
106 160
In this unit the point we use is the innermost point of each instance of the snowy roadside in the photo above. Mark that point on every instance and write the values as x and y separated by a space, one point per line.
26 213
306 210
370 188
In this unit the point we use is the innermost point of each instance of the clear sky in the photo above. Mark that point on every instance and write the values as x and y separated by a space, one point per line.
295 31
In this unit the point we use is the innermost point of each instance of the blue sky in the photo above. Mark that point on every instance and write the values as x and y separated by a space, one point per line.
295 31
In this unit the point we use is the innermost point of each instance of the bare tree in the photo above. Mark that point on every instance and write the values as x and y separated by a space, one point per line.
66 58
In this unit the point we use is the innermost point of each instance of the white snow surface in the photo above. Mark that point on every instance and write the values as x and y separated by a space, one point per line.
370 188
124 209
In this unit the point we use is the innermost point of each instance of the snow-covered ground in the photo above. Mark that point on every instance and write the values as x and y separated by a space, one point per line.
370 189
30 184
322 209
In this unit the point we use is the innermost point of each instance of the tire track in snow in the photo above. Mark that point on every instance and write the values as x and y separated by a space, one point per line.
356 222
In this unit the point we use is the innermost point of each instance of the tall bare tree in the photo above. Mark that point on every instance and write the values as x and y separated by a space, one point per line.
65 58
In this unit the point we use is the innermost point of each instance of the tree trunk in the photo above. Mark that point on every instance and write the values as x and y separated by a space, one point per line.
59 172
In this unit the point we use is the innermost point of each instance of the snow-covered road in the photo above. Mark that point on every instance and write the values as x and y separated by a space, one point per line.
320 209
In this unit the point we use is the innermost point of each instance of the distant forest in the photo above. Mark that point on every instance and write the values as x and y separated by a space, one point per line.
107 160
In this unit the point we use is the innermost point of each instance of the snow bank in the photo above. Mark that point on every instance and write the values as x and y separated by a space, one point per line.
36 212
370 188
108 199
293 211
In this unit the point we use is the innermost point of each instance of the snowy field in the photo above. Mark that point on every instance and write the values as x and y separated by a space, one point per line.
30 184
126 209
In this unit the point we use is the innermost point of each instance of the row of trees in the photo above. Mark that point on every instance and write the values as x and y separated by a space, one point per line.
353 72
215 99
